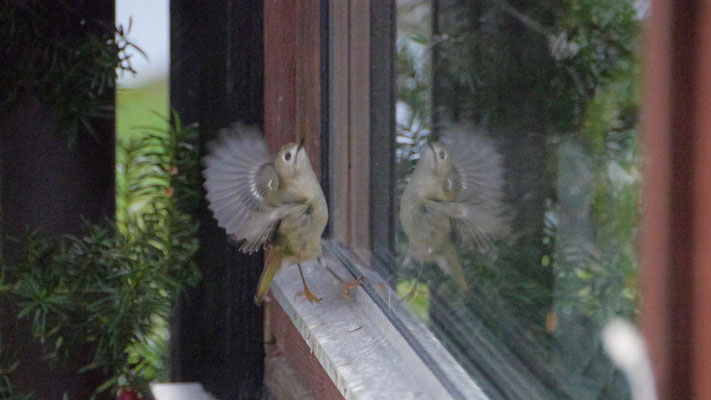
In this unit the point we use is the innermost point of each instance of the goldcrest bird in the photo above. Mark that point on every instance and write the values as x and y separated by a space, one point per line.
264 201
455 194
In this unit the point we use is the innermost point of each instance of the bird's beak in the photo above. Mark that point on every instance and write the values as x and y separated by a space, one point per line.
299 148
434 153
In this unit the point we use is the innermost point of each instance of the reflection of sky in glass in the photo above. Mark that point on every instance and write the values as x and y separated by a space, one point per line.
413 69
149 31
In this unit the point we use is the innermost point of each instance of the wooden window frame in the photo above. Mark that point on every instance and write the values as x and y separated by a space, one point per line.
676 220
334 72
362 122
293 91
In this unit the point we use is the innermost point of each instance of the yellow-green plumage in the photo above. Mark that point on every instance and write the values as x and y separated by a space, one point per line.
454 194
275 203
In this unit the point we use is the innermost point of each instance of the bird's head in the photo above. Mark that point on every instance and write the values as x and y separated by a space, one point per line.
435 159
292 161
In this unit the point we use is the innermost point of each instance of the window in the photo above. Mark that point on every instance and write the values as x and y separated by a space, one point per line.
537 107
545 102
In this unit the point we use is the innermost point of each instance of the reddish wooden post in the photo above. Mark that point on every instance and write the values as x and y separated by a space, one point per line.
701 328
292 110
292 85
676 221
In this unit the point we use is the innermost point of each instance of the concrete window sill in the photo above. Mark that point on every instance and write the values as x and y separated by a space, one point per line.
371 346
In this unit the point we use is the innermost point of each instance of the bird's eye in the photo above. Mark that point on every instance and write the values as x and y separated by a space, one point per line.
441 154
287 156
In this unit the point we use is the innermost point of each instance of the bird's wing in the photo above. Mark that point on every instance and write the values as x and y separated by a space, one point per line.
478 211
239 176
470 226
477 173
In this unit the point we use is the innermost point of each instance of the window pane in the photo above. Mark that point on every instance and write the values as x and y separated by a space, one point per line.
518 186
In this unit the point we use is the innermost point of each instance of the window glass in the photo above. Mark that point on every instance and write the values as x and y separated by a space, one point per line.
517 194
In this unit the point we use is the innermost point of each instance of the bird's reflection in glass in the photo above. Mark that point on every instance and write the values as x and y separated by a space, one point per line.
453 203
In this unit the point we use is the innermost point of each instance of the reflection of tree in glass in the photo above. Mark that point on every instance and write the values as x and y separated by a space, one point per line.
556 86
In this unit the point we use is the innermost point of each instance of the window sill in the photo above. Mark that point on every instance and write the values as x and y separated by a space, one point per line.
355 341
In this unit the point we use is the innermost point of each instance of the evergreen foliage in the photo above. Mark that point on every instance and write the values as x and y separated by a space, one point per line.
112 289
69 61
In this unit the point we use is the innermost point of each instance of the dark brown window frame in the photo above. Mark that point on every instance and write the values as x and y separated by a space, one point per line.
216 78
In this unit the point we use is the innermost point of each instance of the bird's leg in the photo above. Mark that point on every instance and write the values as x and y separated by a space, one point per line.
412 291
346 285
351 285
410 294
312 298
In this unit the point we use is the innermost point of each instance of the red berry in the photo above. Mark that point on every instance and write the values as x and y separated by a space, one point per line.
128 394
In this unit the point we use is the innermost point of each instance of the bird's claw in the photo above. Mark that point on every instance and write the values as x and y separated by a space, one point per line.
311 297
350 285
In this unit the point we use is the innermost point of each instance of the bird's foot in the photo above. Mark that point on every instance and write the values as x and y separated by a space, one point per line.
310 296
350 285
